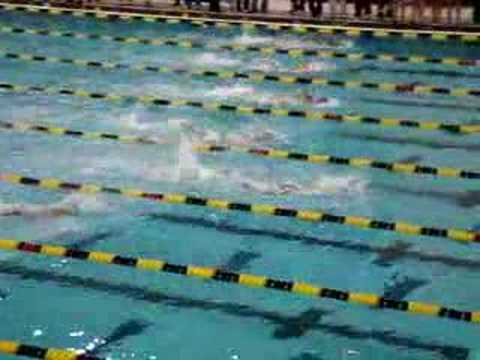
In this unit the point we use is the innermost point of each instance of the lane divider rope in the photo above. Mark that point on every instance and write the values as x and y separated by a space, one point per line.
18 349
243 109
469 37
299 52
357 162
318 81
315 216
247 280
257 76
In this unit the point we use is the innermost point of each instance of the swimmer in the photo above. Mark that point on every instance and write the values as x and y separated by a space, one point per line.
313 67
39 211
253 137
262 187
306 68
409 87
319 186
288 187
310 99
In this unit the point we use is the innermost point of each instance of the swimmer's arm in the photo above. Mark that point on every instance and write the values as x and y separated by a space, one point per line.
12 212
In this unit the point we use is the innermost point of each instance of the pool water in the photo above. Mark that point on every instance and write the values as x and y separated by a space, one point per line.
123 313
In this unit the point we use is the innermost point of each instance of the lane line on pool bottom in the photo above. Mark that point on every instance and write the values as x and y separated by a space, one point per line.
256 76
247 280
278 154
243 109
318 81
19 349
352 31
315 216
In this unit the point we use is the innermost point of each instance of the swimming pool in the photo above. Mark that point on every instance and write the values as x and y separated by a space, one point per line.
123 313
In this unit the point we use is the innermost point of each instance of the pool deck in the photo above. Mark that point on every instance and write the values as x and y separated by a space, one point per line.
278 14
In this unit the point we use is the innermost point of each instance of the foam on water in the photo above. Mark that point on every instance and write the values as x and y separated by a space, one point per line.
214 59
256 134
321 185
137 122
188 168
246 135
232 91
314 67
265 64
248 39
340 185
86 204
70 206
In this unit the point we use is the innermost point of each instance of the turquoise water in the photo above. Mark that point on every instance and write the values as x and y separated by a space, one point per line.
123 313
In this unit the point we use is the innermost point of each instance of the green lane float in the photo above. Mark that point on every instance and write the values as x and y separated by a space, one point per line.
243 109
318 81
18 349
247 280
357 162
461 235
200 21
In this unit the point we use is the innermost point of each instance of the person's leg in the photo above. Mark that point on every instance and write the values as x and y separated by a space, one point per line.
358 7
368 7
215 5
358 10
476 11
390 8
382 7
264 7
311 7
418 10
437 7
300 5
320 7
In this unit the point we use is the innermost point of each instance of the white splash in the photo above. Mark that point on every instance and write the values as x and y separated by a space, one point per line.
314 67
76 333
329 103
342 185
256 135
213 59
85 204
325 185
133 121
265 65
247 39
231 91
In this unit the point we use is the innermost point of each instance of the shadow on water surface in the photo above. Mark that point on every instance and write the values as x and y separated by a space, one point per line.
431 72
129 328
396 140
402 287
81 241
285 326
240 260
385 254
465 199
419 103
